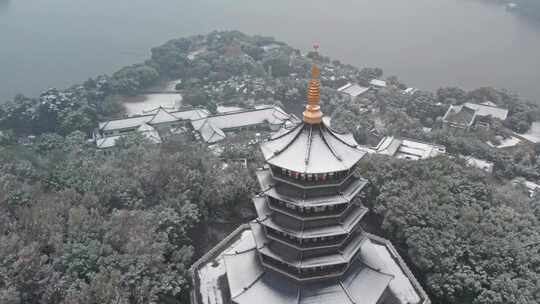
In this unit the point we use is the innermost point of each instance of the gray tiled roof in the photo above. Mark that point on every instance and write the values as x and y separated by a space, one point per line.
353 90
465 114
461 115
372 272
309 149
145 130
212 127
191 114
210 133
126 123
161 116
487 109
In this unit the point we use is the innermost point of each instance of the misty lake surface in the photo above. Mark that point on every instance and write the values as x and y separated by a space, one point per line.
427 43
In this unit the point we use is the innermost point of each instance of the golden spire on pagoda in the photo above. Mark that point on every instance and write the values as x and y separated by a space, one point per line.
313 114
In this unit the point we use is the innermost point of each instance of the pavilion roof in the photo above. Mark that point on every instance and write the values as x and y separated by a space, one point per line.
212 127
312 148
162 116
372 272
461 114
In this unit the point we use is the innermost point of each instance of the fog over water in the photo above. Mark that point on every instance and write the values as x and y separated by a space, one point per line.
427 43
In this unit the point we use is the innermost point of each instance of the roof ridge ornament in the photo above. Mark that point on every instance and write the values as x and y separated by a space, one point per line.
313 114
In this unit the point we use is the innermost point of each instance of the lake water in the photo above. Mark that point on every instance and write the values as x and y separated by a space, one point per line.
427 43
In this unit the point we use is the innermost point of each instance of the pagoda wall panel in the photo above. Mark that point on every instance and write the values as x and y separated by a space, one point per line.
286 252
321 223
319 252
288 223
296 224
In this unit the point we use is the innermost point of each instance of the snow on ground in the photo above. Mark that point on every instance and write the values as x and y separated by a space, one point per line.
533 135
144 104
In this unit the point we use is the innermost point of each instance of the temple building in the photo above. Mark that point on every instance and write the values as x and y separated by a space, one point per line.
470 115
403 148
306 244
211 128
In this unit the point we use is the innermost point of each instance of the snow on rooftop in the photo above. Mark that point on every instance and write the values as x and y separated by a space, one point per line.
227 109
353 90
531 186
406 148
210 272
379 257
149 133
212 128
533 135
506 143
378 83
126 123
479 163
376 269
161 115
488 109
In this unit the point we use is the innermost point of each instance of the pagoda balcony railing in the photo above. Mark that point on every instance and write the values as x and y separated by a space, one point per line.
306 244
308 213
309 181
304 274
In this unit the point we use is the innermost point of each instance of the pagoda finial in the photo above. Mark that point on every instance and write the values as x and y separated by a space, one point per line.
313 114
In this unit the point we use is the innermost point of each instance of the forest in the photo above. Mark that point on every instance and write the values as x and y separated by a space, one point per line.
470 240
78 226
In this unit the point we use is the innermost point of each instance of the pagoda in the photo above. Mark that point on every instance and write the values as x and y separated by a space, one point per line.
306 244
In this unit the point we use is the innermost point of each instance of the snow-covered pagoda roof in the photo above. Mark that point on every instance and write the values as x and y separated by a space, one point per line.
312 148
375 270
